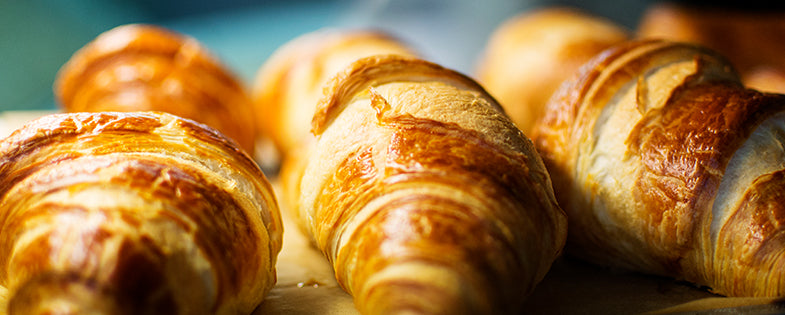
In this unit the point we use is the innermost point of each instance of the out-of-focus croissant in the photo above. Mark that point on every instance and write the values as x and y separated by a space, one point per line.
665 163
133 213
753 40
141 67
531 54
424 195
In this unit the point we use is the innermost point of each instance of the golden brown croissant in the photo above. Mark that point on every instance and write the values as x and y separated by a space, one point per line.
289 84
133 213
753 40
530 54
141 67
666 164
423 194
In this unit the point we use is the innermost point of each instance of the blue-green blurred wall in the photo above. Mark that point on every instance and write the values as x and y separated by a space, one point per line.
38 36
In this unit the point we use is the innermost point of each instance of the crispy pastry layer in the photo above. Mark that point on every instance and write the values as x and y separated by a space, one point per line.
424 195
139 67
665 164
130 213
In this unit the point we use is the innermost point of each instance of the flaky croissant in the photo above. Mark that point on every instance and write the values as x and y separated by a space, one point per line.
289 83
423 194
665 163
133 213
140 67
531 54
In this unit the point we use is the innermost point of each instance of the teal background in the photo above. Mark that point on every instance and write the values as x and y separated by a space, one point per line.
38 36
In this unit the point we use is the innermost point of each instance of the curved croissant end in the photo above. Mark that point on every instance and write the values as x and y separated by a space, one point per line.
667 164
130 213
423 194
138 67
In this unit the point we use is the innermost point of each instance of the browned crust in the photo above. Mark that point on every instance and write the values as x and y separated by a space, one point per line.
757 232
476 237
691 140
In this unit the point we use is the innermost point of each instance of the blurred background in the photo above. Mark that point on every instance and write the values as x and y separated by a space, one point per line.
38 36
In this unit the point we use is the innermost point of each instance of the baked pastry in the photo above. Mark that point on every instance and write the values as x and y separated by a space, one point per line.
289 83
666 164
140 67
423 195
752 39
133 213
531 54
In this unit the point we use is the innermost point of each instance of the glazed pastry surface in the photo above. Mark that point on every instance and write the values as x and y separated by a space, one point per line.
133 213
423 194
665 163
138 67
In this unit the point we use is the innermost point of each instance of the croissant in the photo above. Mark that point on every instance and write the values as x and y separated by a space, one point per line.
666 164
423 194
133 213
140 67
753 40
532 53
289 83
